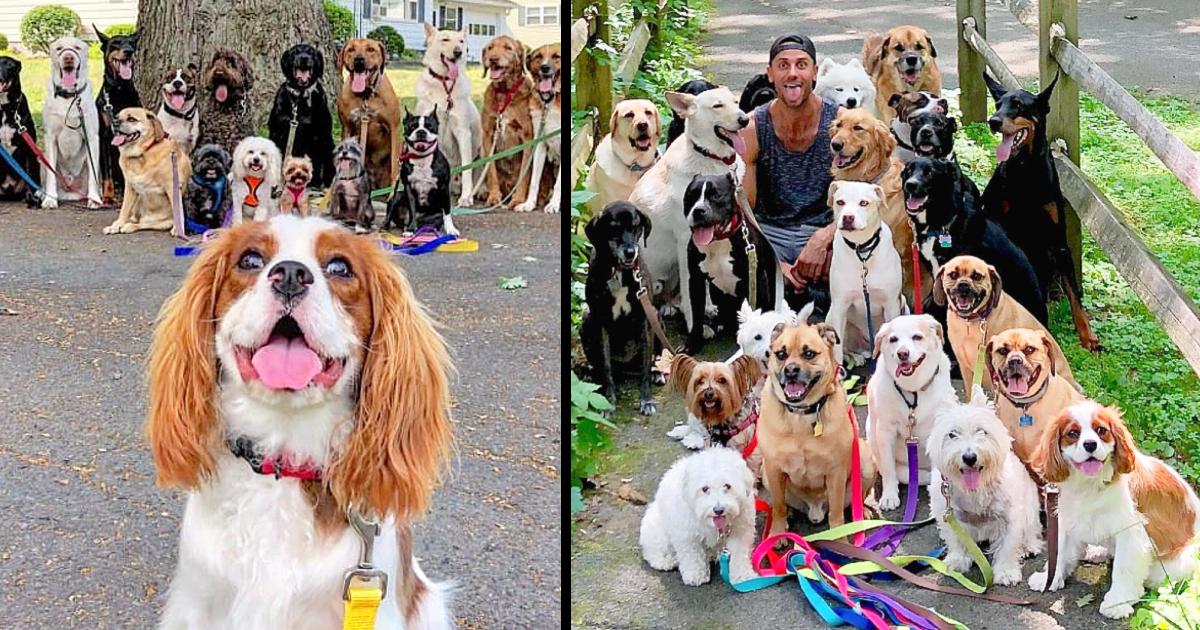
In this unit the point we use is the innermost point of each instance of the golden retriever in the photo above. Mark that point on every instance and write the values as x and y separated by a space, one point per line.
146 161
901 60
506 99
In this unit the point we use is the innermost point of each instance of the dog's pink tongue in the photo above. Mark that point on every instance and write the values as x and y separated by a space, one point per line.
358 82
303 75
719 523
1004 149
119 139
1018 385
913 203
125 70
739 144
545 85
286 363
452 71
970 477
703 236
1090 467
176 101
68 77
222 93
497 74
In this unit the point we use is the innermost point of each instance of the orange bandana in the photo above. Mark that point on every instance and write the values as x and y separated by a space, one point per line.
252 196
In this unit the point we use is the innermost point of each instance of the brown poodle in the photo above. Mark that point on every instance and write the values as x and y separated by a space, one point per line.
226 117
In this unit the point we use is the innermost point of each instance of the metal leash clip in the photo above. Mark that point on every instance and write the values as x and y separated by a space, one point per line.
367 529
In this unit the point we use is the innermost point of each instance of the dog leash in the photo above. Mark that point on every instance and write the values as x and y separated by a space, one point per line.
364 585
16 166
41 157
292 125
864 252
1050 494
642 278
176 199
918 297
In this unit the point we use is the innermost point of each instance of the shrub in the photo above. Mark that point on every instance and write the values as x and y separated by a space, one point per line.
3 42
341 21
47 23
390 39
120 29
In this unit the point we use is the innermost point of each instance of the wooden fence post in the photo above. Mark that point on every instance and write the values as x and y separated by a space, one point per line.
972 98
1063 121
596 89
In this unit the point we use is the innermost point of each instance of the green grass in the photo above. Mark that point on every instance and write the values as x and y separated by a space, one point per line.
1141 371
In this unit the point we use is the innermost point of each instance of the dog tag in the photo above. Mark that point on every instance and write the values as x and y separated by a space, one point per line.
818 429
1026 420
944 240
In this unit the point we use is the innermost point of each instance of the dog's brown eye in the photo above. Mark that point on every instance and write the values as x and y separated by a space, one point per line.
893 339
952 435
954 275
863 203
704 489
1101 431
1073 434
628 114
1002 350
858 127
840 202
251 261
975 275
1030 349
898 48
718 105
338 267
809 355
917 337
721 380
919 47
781 355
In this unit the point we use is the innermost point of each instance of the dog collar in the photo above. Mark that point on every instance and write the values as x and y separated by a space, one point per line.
61 92
1025 402
305 93
864 250
723 432
408 156
806 410
728 160
978 316
443 79
509 95
900 143
279 465
296 192
912 407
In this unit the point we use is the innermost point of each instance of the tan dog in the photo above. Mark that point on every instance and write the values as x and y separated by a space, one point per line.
976 299
804 428
862 148
626 153
146 161
297 174
506 100
721 396
368 96
545 65
1020 363
901 60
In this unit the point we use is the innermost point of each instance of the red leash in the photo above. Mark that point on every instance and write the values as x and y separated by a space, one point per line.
509 96
916 264
856 503
41 157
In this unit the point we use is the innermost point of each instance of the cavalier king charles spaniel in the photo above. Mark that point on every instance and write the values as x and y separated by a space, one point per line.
297 385
1113 495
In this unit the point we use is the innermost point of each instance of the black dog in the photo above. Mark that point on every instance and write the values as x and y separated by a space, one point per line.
1024 196
117 93
425 175
931 134
15 116
758 90
206 200
302 99
948 221
717 257
693 87
615 332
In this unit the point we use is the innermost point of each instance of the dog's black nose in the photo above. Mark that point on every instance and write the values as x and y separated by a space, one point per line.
1090 446
177 84
643 126
851 103
743 120
719 510
994 124
457 52
290 279
791 372
912 60
902 355
847 221
970 458
545 68
925 132
836 145
910 186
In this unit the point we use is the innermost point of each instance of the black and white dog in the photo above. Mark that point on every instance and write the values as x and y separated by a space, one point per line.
615 333
718 264
117 93
14 116
207 199
931 134
301 98
425 175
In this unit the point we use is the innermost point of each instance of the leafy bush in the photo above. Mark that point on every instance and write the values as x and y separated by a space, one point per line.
120 29
47 23
341 21
390 39
589 436
3 42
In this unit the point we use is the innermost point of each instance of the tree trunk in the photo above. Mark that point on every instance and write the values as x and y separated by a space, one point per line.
177 32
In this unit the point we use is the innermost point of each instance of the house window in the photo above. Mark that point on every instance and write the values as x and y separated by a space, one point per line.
541 16
451 18
486 30
407 10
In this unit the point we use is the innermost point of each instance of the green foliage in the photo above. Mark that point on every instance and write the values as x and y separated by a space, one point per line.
46 23
670 61
1172 606
390 39
341 21
589 434
513 283
120 29
3 42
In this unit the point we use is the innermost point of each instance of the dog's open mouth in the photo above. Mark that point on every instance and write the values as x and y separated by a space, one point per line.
907 368
546 83
4 86
926 148
303 76
721 523
212 174
175 100
496 71
345 165
421 146
732 138
360 79
1089 466
1018 381
221 92
125 69
1010 141
795 391
298 180
451 68
69 74
286 361
642 143
964 303
122 139
845 161
914 203
970 476
911 75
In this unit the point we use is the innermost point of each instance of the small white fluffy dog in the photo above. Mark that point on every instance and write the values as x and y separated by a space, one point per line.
705 503
444 85
990 492
69 113
857 251
912 375
256 172
1112 494
846 84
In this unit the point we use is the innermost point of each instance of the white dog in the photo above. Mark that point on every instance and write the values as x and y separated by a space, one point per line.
847 84
1112 494
444 85
705 503
990 492
910 385
72 126
256 164
711 146
858 259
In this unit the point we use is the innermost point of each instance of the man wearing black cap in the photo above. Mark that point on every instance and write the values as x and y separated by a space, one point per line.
788 163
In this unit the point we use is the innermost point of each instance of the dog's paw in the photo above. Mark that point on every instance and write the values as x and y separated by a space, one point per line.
693 441
958 561
526 206
493 199
1115 610
741 572
708 332
129 228
659 561
1007 576
1034 548
92 204
1096 554
1037 582
465 200
551 208
647 408
695 578
679 432
453 231
49 202
115 228
890 499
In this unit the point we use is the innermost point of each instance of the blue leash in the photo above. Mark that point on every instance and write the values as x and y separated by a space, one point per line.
20 171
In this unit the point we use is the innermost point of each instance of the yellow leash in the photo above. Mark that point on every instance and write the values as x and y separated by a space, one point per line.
365 586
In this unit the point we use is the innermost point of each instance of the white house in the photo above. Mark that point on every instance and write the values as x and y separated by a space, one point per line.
484 19
102 13
536 22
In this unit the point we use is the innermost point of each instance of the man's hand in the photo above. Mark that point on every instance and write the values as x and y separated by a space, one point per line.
813 261
789 274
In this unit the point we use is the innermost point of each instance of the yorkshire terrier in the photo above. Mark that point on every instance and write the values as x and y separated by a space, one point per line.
721 403
297 173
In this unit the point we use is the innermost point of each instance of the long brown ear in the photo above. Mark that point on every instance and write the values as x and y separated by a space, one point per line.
1047 458
884 138
939 290
394 456
748 370
156 125
341 63
1048 342
1124 451
887 41
181 424
681 372
997 287
612 122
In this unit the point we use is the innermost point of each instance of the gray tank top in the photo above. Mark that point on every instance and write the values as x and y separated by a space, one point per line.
792 186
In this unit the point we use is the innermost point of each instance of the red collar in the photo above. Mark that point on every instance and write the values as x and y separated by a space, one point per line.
727 431
443 79
408 156
509 95
278 465
728 161
296 192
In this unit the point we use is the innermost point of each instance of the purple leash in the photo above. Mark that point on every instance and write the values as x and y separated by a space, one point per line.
889 536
